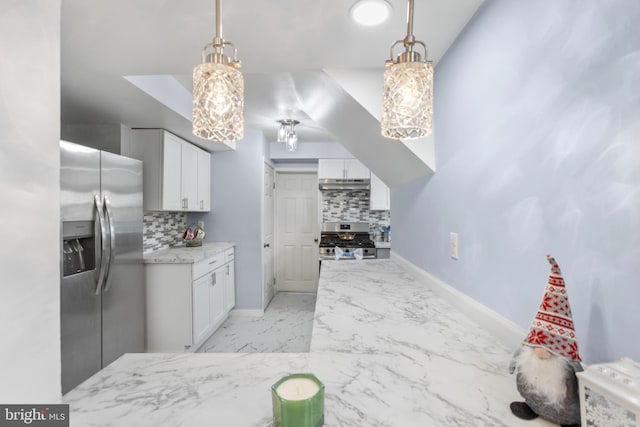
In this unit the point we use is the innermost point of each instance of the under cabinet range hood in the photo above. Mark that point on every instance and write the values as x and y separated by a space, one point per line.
345 184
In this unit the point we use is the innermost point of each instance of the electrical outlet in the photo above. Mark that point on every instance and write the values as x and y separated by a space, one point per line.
453 245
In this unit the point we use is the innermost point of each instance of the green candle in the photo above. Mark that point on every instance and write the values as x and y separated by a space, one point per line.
298 401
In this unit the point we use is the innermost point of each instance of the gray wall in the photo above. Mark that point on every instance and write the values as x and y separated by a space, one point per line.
236 212
537 130
108 137
30 201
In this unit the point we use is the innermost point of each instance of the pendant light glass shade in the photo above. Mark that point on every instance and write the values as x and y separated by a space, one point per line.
282 133
218 91
407 100
292 141
218 102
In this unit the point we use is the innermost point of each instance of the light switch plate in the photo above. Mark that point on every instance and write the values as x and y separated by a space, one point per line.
453 245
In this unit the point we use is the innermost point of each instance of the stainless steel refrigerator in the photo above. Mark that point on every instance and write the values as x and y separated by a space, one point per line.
102 296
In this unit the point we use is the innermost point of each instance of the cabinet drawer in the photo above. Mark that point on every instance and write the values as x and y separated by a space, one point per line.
203 267
229 254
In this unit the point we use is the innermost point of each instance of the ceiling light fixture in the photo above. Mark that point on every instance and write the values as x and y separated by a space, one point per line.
282 132
370 12
407 102
287 134
218 91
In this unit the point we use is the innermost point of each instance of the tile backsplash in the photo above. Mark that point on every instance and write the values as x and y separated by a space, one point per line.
351 206
163 229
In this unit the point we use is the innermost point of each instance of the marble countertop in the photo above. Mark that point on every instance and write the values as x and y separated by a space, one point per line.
389 351
186 255
383 245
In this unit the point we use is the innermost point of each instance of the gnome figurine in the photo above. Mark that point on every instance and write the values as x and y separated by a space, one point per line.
547 362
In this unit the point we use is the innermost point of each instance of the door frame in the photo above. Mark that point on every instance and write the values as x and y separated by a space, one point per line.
276 232
273 229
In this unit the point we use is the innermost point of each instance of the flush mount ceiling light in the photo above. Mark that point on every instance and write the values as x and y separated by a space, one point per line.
407 101
287 133
370 12
218 91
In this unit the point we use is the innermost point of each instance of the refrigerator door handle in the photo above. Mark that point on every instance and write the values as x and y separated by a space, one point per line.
112 242
103 244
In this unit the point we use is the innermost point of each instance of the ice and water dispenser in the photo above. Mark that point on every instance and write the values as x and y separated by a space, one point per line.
78 247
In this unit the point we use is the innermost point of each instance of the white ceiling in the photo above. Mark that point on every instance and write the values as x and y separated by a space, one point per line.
105 40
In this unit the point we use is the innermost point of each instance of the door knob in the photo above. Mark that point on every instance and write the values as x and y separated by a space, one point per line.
315 240
266 245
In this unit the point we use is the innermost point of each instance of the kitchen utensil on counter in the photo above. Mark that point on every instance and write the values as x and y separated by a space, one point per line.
199 233
193 236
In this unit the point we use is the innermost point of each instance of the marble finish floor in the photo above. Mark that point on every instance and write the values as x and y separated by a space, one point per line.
285 328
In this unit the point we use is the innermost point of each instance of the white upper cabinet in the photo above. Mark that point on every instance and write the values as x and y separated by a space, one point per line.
330 168
379 199
171 174
355 169
204 181
189 187
176 174
341 169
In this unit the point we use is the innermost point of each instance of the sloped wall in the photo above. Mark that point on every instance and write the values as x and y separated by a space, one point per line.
537 123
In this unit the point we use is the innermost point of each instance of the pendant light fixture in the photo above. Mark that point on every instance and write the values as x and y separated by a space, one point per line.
407 101
218 91
282 132
287 134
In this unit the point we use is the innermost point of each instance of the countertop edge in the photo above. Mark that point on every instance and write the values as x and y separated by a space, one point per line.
186 255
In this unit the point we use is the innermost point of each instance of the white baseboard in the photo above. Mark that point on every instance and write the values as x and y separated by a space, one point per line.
501 327
244 312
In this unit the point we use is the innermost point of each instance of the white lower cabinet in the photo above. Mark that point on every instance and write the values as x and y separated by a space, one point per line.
201 308
186 303
230 281
217 304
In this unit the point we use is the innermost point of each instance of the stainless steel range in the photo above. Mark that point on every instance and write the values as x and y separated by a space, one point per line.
351 239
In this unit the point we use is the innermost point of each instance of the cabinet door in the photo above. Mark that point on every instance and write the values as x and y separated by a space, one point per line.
217 303
331 168
201 307
230 286
355 169
204 181
171 173
189 176
379 197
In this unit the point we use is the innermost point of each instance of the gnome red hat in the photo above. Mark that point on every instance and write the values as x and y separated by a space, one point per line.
552 327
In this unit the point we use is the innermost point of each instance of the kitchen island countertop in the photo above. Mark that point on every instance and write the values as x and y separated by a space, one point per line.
186 255
389 351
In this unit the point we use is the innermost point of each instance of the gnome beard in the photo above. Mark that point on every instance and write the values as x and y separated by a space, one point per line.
543 374
548 384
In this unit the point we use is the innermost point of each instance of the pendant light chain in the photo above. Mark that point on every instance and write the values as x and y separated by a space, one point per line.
218 91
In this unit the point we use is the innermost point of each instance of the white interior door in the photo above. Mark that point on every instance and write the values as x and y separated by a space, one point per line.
267 241
297 232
